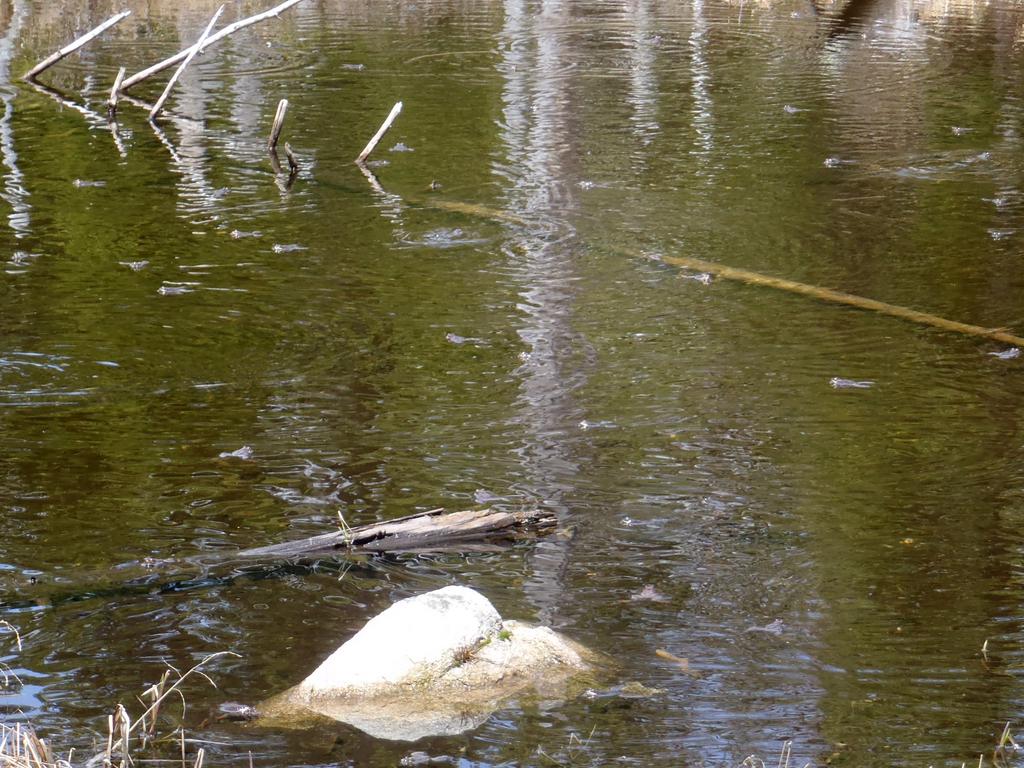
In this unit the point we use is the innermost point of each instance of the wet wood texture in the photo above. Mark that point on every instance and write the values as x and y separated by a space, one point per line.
426 530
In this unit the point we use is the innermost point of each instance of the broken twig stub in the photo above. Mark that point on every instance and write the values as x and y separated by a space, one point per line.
191 55
372 143
293 161
112 101
73 46
275 131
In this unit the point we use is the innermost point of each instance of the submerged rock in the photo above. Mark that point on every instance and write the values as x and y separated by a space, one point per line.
649 593
839 383
435 664
1007 354
233 710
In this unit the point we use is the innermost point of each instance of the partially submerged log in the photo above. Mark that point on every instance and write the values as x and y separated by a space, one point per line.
425 530
434 531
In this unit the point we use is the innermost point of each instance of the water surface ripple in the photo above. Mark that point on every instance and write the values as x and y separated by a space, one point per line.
818 508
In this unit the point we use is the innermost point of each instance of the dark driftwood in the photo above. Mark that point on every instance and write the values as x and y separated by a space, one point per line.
434 531
426 530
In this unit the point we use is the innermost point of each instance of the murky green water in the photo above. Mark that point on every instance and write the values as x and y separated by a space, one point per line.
833 559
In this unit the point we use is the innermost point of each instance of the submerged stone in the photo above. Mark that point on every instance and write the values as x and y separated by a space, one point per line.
435 664
233 710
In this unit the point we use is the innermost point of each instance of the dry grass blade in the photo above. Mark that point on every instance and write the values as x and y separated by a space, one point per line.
8 627
35 748
155 693
120 726
753 761
568 755
8 679
110 740
196 669
124 723
787 749
1007 738
21 747
1007 747
346 530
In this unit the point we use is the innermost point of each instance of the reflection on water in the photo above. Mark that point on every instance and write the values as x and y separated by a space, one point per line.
703 116
14 191
195 358
536 111
643 92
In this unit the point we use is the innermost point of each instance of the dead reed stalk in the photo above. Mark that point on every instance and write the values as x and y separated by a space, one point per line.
21 747
9 680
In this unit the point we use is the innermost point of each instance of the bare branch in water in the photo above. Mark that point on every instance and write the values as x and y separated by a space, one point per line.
188 59
380 133
112 101
275 131
138 77
73 46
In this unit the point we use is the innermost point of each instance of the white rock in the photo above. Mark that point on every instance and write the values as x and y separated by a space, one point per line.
414 641
438 663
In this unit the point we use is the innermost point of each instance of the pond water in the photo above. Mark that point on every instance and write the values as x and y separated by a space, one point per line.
483 319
